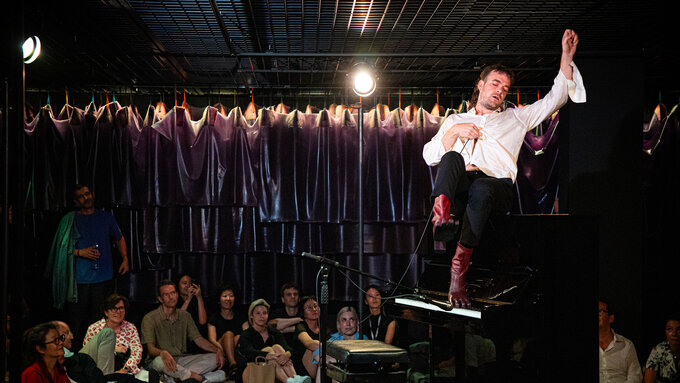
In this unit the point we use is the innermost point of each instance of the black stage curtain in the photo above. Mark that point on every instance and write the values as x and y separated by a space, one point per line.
231 199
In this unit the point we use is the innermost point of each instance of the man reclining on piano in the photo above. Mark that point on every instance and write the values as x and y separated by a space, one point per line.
477 156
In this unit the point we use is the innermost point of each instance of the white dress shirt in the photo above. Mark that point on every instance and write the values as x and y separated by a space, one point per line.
619 362
502 133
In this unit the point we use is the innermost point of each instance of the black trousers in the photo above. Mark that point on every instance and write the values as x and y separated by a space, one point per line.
474 196
87 310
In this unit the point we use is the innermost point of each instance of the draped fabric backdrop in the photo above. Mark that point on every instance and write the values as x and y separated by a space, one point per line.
225 197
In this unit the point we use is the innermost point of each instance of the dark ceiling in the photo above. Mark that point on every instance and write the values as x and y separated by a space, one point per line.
208 45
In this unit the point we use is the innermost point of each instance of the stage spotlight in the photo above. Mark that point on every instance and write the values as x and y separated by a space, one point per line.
31 49
363 80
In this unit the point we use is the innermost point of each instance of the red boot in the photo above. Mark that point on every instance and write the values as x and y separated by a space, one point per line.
459 266
443 225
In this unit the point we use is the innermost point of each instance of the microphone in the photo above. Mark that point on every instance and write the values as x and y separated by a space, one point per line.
319 259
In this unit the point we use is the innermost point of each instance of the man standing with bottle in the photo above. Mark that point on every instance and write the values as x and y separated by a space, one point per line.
81 262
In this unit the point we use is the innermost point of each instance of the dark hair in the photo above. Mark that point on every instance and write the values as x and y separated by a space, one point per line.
305 299
290 285
673 316
77 187
482 77
184 275
35 337
166 282
225 287
112 300
372 287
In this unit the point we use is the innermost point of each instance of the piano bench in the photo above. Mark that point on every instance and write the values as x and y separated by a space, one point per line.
366 361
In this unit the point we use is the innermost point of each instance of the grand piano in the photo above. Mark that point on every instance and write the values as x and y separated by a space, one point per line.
533 283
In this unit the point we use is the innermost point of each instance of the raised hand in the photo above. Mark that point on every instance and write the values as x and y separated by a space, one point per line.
569 43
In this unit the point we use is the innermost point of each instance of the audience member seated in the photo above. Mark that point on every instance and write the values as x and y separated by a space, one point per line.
618 359
165 332
662 364
380 326
81 368
128 348
43 347
346 322
191 300
261 340
285 318
307 337
225 325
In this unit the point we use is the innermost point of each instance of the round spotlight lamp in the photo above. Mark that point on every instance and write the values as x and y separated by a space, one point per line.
31 49
363 80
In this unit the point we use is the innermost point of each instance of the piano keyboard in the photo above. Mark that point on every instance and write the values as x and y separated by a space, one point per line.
466 312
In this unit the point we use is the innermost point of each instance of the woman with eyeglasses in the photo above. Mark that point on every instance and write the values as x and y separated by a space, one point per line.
121 352
43 347
307 336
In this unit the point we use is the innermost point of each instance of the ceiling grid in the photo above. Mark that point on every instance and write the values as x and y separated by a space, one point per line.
313 43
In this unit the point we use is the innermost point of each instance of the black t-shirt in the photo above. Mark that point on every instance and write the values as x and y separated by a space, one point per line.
302 326
299 348
376 329
250 344
280 312
223 325
192 309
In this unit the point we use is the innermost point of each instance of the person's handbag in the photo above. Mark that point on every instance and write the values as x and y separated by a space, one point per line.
261 371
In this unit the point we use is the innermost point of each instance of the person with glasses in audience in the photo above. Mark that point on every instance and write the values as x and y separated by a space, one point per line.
80 367
43 348
618 359
127 350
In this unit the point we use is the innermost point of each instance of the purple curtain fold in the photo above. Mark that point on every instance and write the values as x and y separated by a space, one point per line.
52 158
195 163
537 169
106 166
225 198
282 183
660 169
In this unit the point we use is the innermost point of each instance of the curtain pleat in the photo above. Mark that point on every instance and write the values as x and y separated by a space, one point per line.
227 198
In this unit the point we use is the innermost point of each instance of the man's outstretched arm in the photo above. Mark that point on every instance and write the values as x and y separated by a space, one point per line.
569 43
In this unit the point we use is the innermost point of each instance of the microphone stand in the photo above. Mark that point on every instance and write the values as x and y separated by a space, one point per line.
323 307
326 264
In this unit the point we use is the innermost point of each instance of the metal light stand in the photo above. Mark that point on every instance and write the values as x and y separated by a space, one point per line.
360 125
